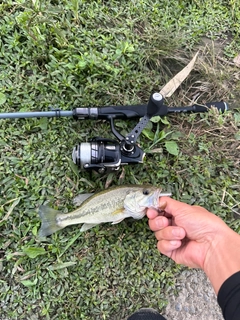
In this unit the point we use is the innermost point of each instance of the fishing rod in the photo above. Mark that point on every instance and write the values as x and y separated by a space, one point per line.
103 154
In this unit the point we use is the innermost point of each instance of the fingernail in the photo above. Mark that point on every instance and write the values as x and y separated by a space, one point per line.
162 204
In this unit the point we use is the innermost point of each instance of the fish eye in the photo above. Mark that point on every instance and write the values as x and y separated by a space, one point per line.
145 192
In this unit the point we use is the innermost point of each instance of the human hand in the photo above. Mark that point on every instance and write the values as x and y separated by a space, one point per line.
187 234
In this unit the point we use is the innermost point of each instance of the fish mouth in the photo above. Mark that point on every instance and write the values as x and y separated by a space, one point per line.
154 199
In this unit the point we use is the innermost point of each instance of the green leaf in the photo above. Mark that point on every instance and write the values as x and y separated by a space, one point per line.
130 48
237 118
161 135
176 135
71 242
148 134
33 252
10 210
70 66
29 283
2 98
63 265
237 135
43 123
35 230
109 180
82 64
172 147
155 119
73 167
164 120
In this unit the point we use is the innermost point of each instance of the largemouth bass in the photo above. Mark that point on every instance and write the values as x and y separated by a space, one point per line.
112 205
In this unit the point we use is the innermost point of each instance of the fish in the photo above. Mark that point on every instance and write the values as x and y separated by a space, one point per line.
111 205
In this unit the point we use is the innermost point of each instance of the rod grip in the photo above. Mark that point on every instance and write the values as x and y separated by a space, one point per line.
221 106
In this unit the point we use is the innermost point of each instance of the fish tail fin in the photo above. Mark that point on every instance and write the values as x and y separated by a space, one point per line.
49 224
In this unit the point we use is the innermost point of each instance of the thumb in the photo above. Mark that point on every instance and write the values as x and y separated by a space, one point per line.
173 207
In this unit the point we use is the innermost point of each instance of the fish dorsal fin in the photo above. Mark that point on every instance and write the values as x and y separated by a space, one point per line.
79 199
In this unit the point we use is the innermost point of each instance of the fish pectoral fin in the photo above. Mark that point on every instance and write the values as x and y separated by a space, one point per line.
115 222
87 226
122 212
119 211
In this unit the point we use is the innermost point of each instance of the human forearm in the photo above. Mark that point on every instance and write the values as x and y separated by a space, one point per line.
223 258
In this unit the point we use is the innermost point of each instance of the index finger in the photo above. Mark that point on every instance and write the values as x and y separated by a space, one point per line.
152 213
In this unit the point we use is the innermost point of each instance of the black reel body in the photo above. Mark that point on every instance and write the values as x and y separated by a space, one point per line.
105 155
98 154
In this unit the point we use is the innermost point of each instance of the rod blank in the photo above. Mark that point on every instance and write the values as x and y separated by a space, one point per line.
38 114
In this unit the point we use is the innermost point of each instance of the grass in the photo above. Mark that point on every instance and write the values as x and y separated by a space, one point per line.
89 53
